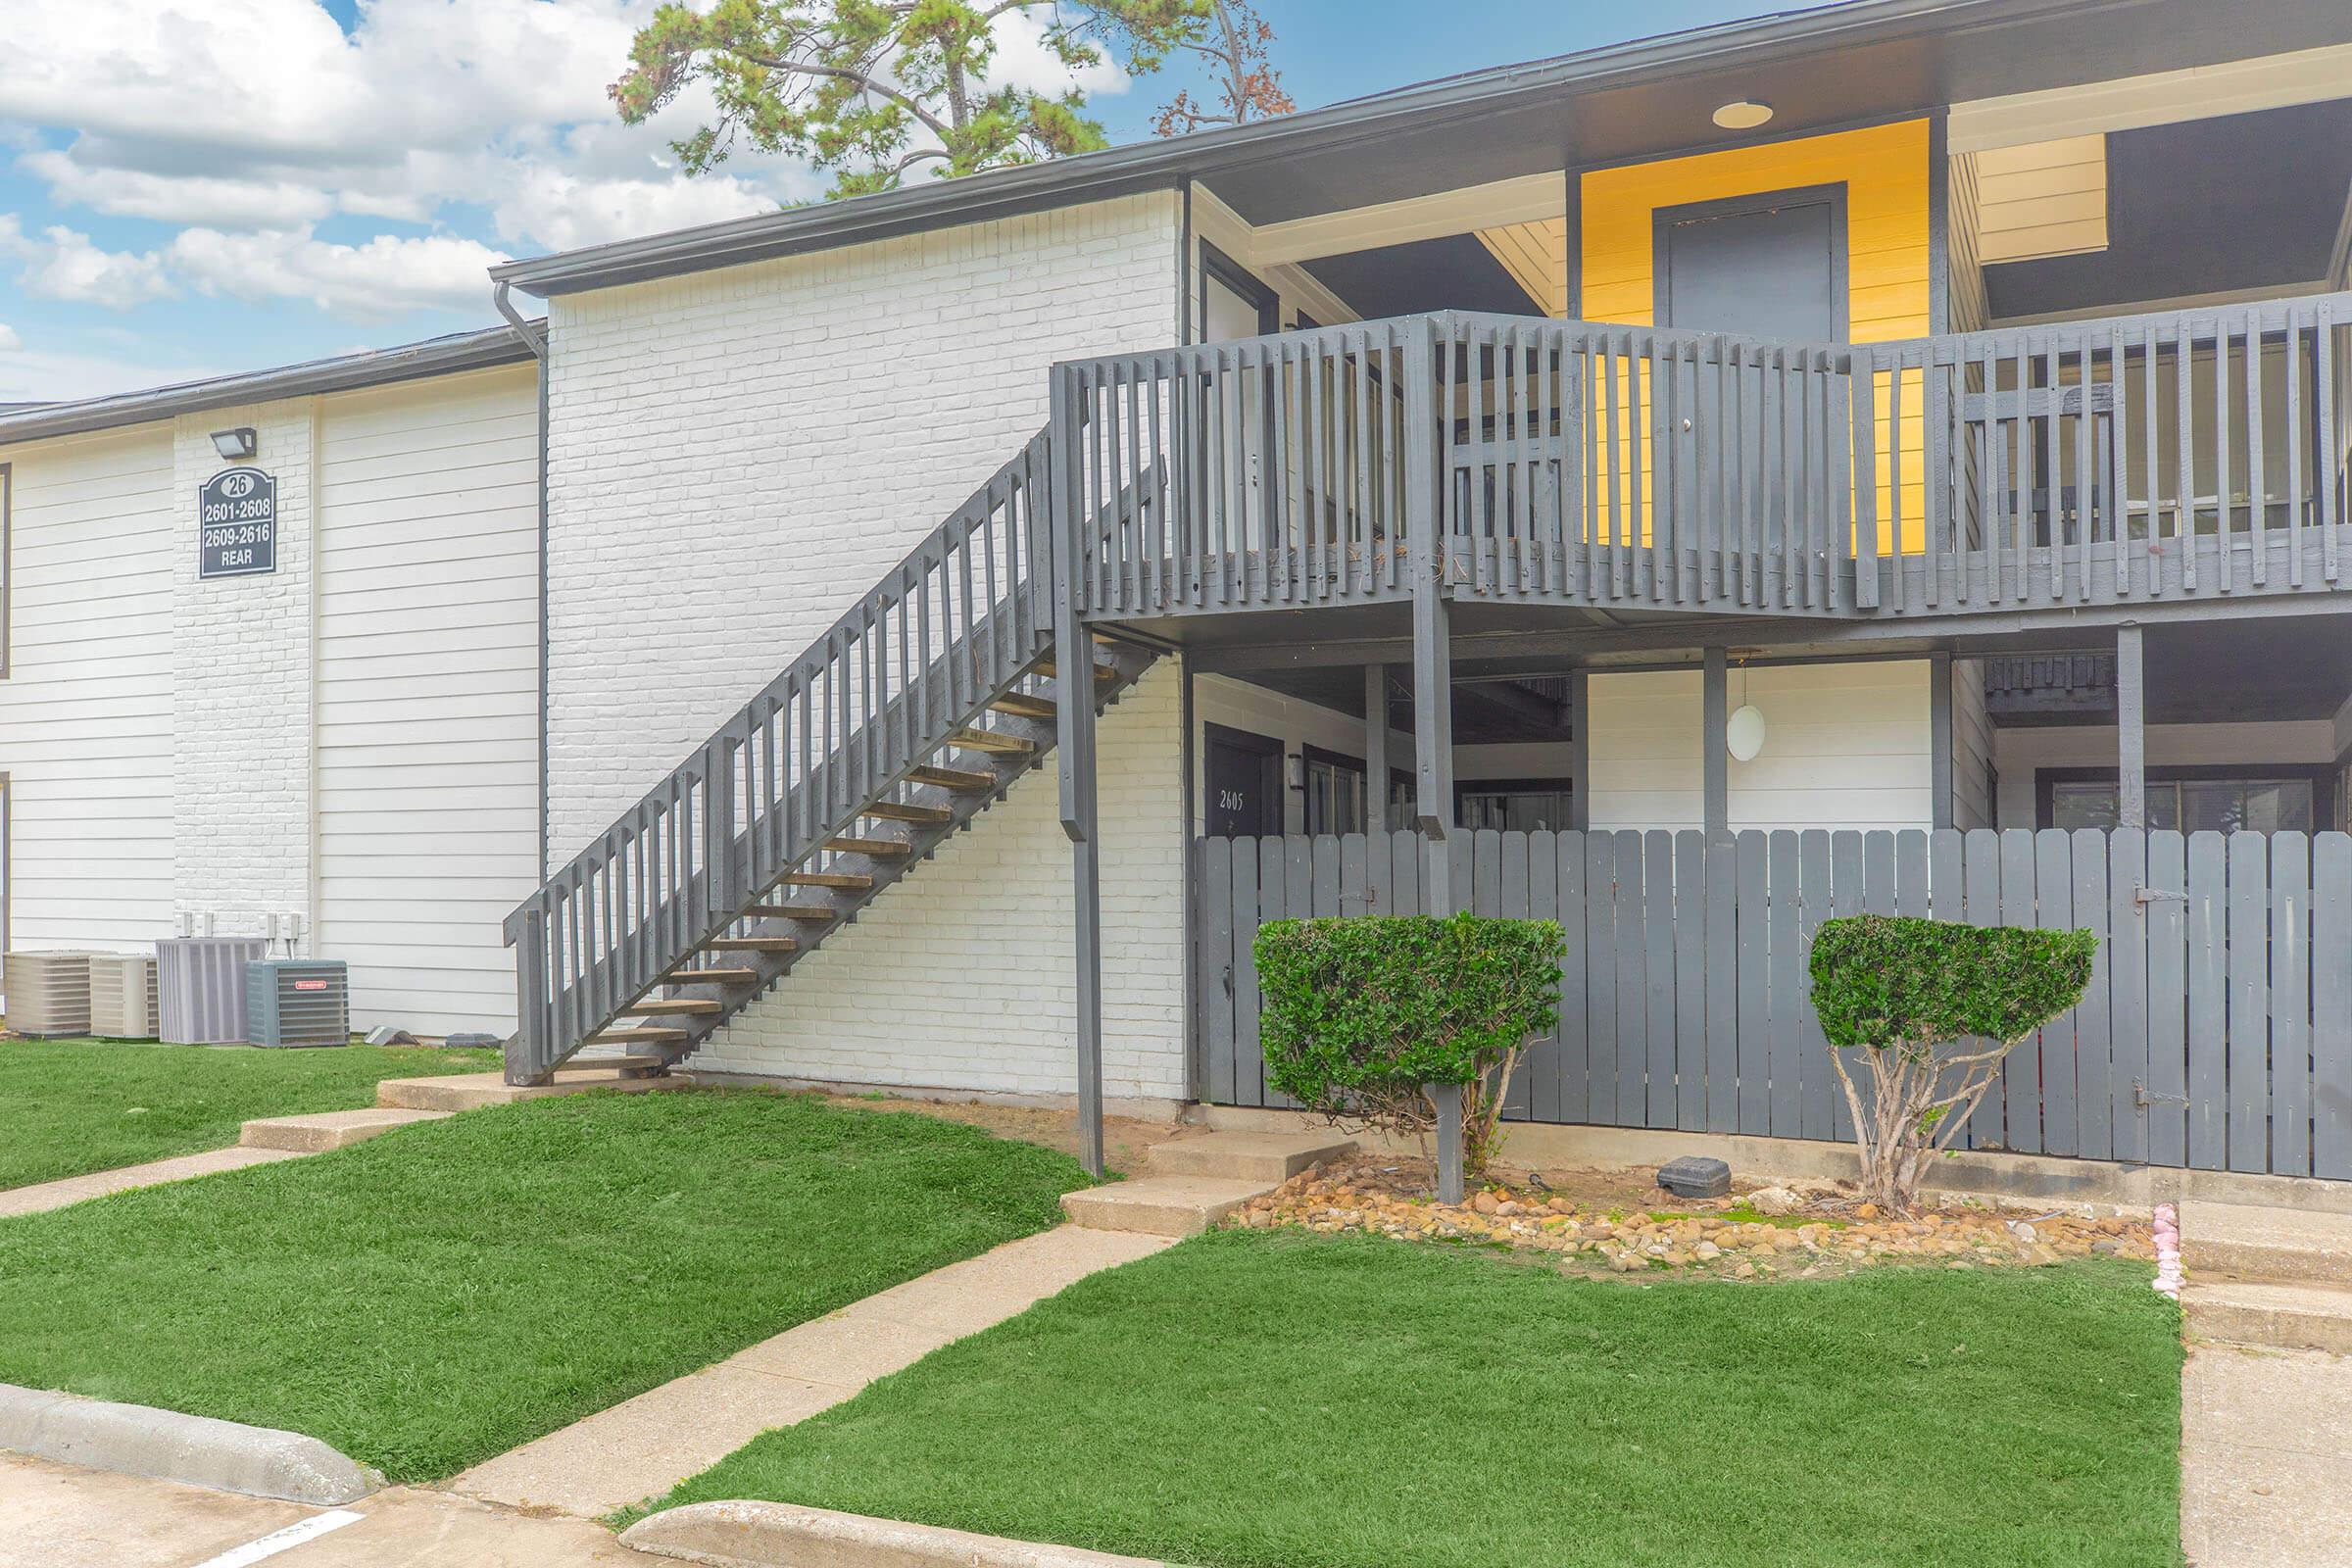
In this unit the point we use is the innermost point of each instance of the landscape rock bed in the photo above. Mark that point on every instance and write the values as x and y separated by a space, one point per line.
1754 1233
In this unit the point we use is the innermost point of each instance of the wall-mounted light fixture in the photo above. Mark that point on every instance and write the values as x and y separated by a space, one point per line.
1741 115
238 445
1294 768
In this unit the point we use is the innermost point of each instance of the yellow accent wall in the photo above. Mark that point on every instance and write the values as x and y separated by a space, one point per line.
1884 172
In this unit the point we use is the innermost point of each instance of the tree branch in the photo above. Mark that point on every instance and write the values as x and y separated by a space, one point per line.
871 83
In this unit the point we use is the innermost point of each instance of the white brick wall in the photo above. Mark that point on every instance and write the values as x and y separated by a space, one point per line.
241 819
963 976
735 456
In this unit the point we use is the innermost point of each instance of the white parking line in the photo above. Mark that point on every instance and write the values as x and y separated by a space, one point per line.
277 1540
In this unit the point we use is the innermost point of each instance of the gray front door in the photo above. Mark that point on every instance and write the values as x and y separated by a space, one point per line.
1769 266
1244 777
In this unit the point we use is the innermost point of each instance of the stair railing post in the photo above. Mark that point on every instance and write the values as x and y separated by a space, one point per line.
1426 476
1074 724
528 1053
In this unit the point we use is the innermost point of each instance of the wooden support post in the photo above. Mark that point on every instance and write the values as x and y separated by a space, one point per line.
2131 730
1443 885
1939 739
1376 749
1074 722
1715 761
1450 1181
1580 751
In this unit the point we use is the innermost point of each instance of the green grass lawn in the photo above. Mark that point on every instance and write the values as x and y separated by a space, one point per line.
72 1106
446 1291
1286 1401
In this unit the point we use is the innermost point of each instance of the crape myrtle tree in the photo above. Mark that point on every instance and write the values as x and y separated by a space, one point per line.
874 91
1930 1007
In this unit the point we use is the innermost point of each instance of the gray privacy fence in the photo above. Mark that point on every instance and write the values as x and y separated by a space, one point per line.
2217 1031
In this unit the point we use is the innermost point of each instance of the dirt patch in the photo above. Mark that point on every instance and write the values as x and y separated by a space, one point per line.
1618 1223
1126 1139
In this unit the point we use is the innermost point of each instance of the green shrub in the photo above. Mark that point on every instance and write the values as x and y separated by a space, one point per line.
1360 1016
1881 980
1900 992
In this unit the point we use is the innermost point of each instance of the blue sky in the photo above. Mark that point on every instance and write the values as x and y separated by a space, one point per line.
192 187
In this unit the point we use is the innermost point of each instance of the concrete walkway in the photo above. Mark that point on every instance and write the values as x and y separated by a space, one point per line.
62 1516
2266 1470
643 1447
179 1168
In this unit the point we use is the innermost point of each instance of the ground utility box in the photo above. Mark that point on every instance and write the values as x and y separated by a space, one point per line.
123 995
201 981
48 992
298 1001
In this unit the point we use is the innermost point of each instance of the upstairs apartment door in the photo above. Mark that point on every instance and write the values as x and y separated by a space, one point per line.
1235 305
1769 267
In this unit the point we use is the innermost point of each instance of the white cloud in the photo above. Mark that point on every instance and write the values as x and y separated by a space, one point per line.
9 339
387 276
249 123
63 264
32 377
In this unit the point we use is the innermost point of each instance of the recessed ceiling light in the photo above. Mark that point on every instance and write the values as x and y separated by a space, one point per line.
1743 115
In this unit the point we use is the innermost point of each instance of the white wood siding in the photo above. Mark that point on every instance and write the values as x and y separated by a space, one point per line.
1845 747
427 697
86 713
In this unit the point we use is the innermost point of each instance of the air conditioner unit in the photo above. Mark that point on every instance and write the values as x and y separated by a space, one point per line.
48 992
298 1001
123 995
201 982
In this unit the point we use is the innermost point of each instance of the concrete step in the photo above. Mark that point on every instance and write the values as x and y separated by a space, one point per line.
2293 1318
321 1131
2280 1246
1162 1205
1270 1158
468 1090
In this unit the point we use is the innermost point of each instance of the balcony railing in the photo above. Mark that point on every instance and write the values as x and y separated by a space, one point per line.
2183 454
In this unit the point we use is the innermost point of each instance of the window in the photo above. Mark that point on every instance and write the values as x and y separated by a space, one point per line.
2260 801
1334 793
1517 805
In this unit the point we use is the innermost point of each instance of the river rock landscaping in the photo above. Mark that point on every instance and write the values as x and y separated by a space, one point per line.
1765 1233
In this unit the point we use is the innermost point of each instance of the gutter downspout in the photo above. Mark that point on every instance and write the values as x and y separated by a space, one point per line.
537 338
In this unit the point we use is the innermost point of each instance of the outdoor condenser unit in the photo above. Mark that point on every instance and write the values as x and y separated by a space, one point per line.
298 1001
123 995
48 992
201 981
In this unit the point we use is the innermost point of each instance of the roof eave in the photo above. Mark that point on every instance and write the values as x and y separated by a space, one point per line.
1165 164
449 356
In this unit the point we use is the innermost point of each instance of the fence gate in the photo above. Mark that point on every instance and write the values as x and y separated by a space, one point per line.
2216 1033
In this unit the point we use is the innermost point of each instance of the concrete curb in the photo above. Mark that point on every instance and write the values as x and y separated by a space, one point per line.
785 1535
166 1446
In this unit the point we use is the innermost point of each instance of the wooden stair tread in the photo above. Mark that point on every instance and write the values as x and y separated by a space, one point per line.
902 811
952 779
992 740
636 1034
793 912
848 881
1102 671
880 849
753 943
711 977
661 1007
1021 705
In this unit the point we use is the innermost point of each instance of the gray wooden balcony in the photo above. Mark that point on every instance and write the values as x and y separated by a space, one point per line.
2183 457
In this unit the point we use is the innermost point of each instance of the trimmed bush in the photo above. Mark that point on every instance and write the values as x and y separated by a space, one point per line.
1901 990
1360 1016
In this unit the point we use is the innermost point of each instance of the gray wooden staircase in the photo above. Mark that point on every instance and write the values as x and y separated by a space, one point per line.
912 714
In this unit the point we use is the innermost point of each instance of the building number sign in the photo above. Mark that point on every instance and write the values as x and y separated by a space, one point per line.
236 517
